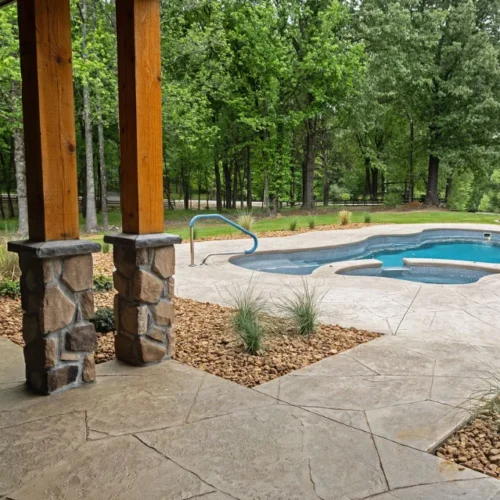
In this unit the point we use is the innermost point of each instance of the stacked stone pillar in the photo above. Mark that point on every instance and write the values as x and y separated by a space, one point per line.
144 312
58 303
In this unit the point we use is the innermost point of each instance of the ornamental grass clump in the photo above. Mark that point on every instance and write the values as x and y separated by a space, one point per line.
246 220
302 308
345 217
247 318
293 225
312 222
9 264
368 218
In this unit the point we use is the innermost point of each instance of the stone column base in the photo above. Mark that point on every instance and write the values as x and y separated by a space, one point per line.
58 302
144 313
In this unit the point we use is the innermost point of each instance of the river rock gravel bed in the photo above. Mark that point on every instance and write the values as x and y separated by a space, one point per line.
477 445
206 340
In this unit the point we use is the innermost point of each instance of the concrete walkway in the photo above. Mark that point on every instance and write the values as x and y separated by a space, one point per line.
358 425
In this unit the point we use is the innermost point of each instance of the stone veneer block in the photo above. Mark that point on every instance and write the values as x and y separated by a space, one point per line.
77 273
144 312
58 301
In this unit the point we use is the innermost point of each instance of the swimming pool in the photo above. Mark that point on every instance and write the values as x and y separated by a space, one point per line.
441 244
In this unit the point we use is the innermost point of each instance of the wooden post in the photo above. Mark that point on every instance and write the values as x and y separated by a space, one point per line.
49 123
139 83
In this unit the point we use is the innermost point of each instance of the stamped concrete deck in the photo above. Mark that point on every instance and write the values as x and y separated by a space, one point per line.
358 425
461 313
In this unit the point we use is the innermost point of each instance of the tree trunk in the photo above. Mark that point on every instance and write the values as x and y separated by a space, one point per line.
368 181
218 186
227 183
185 186
249 180
235 183
90 212
374 184
308 169
432 197
449 187
326 189
266 194
20 164
412 148
102 171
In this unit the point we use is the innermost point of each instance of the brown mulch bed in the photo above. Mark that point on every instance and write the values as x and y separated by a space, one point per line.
477 445
205 340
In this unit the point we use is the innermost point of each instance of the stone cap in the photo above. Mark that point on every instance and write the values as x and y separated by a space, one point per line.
51 249
143 240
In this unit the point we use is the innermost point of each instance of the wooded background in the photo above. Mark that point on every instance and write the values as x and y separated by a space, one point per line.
296 101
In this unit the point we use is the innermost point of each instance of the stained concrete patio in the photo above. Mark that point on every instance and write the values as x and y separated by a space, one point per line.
355 426
358 425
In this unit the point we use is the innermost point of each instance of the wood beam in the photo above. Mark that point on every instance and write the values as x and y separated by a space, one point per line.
49 122
139 83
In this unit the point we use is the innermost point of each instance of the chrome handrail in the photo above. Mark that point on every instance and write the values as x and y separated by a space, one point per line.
231 223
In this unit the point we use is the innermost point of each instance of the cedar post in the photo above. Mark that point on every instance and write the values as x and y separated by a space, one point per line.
49 121
139 83
144 256
56 281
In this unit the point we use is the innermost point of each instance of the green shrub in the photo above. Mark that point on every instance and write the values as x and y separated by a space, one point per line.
368 218
293 225
345 217
105 247
393 199
9 264
104 320
302 308
345 196
246 220
10 288
103 283
312 222
195 233
247 319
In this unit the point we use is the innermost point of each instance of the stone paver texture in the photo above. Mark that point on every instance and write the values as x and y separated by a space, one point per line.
359 425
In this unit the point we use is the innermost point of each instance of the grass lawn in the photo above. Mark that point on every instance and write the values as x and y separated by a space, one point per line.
177 220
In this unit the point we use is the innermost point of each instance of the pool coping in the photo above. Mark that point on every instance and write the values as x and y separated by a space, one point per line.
341 266
363 240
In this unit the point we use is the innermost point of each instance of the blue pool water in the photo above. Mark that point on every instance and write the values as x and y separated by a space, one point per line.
482 251
448 244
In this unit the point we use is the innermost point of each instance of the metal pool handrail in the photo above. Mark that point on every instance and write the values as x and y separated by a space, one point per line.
231 223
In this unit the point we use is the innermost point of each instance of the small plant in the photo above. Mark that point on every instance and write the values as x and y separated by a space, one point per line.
246 220
103 283
302 308
247 319
105 247
10 288
195 233
293 225
368 218
9 264
311 222
104 320
345 217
